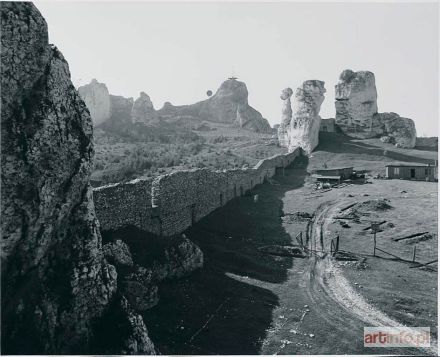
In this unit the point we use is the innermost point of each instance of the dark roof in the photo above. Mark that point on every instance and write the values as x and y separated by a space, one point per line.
335 168
328 177
399 165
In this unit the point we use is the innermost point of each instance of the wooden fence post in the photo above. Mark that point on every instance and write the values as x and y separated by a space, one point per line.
374 249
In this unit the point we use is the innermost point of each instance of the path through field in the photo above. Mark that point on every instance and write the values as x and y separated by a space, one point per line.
330 291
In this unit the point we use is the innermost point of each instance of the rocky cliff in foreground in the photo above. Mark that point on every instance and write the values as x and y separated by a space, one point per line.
55 280
300 127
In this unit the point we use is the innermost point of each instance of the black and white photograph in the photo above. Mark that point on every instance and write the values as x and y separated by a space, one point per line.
219 177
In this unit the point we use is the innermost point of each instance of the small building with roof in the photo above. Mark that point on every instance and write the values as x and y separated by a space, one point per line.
412 172
343 172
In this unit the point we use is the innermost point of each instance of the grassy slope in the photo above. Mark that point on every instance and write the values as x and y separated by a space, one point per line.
224 148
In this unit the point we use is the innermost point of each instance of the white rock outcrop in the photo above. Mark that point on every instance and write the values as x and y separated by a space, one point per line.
401 131
303 129
143 110
97 99
286 117
356 103
357 113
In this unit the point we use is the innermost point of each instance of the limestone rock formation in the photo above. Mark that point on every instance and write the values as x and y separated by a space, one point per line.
55 280
118 253
121 107
120 118
97 99
303 130
356 103
137 341
179 259
140 289
228 105
143 110
286 117
401 131
357 113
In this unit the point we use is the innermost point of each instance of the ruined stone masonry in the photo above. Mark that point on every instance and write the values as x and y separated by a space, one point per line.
171 203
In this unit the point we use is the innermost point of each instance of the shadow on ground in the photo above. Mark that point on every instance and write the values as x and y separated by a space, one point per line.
216 312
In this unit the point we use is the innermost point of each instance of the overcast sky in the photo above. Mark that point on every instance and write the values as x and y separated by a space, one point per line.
177 51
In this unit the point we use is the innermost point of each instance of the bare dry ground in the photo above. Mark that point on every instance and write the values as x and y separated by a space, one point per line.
246 301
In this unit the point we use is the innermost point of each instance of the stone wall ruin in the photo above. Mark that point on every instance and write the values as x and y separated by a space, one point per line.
169 204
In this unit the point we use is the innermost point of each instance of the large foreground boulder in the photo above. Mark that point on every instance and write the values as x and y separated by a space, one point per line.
55 280
303 129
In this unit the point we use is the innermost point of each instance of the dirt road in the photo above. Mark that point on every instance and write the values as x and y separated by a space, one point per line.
326 285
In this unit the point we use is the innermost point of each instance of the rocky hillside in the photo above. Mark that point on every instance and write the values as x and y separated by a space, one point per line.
55 280
229 105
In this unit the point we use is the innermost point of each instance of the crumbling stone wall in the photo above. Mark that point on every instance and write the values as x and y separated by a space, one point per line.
171 203
125 204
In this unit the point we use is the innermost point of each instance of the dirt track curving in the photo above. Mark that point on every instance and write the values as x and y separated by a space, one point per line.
327 286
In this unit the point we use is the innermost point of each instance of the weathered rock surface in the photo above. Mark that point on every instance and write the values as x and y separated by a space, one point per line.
179 260
121 107
137 341
97 99
228 105
118 253
122 331
303 130
286 117
55 279
401 131
357 113
120 118
356 103
143 110
140 289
